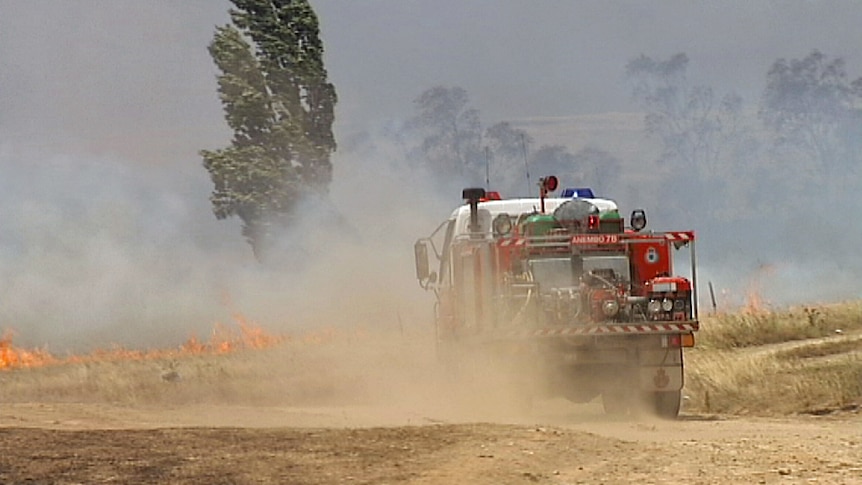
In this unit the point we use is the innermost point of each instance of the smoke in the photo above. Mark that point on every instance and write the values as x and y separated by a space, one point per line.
97 251
106 234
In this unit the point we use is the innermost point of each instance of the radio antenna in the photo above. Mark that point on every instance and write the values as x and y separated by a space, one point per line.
487 168
526 165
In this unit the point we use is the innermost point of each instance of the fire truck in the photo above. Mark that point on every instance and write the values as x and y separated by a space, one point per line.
591 301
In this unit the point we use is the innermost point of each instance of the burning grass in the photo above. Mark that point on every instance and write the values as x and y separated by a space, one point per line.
224 340
759 363
242 365
126 375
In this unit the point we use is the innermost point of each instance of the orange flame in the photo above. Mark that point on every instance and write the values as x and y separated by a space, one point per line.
10 356
223 340
754 300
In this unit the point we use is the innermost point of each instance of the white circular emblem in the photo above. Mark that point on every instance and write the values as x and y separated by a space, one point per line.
651 256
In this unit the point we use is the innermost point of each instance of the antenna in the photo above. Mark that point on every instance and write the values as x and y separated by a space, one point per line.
487 168
526 165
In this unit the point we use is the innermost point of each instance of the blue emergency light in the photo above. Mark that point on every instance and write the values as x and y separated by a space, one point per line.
578 193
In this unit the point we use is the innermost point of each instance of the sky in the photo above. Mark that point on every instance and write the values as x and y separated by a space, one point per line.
104 105
117 75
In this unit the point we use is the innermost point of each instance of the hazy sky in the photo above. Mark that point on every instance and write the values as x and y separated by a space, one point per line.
104 105
121 74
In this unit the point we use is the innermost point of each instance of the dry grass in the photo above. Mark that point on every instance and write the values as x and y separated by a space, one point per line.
805 360
762 327
182 380
341 369
761 363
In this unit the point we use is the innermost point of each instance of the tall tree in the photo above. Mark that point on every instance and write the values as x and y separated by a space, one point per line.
279 104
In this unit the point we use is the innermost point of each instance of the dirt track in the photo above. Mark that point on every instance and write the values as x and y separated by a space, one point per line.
560 443
350 412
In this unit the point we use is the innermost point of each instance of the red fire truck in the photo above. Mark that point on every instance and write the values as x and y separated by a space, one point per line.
594 302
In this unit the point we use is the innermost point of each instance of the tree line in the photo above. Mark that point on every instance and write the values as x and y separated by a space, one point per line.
799 143
723 159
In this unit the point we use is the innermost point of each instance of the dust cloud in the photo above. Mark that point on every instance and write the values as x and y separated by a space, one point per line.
99 252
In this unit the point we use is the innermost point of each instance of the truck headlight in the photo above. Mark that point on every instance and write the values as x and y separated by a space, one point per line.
610 307
654 306
667 304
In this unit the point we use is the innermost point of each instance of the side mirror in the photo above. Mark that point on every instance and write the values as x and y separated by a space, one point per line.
423 269
638 219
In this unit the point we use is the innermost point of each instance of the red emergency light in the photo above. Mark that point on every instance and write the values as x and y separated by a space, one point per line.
549 183
546 185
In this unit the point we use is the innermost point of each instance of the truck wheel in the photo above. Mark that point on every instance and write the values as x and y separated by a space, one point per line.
615 403
665 404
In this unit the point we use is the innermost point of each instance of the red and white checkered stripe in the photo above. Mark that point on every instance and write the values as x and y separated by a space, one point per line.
679 236
651 328
512 242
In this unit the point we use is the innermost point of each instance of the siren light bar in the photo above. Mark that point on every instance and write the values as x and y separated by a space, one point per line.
577 193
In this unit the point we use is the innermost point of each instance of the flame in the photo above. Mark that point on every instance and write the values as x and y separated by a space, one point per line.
224 339
754 300
10 356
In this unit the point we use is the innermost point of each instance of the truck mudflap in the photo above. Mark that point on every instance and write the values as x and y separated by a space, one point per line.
615 329
660 378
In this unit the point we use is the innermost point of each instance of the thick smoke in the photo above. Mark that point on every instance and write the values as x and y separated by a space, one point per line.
106 234
100 251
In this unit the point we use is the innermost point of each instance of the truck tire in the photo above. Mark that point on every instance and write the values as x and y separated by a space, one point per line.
665 404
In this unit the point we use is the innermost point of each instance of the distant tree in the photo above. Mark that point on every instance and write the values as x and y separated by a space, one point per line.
507 148
813 111
600 170
279 104
507 141
450 133
705 140
555 160
691 122
454 147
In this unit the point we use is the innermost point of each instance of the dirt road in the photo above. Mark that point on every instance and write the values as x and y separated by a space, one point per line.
349 412
559 443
